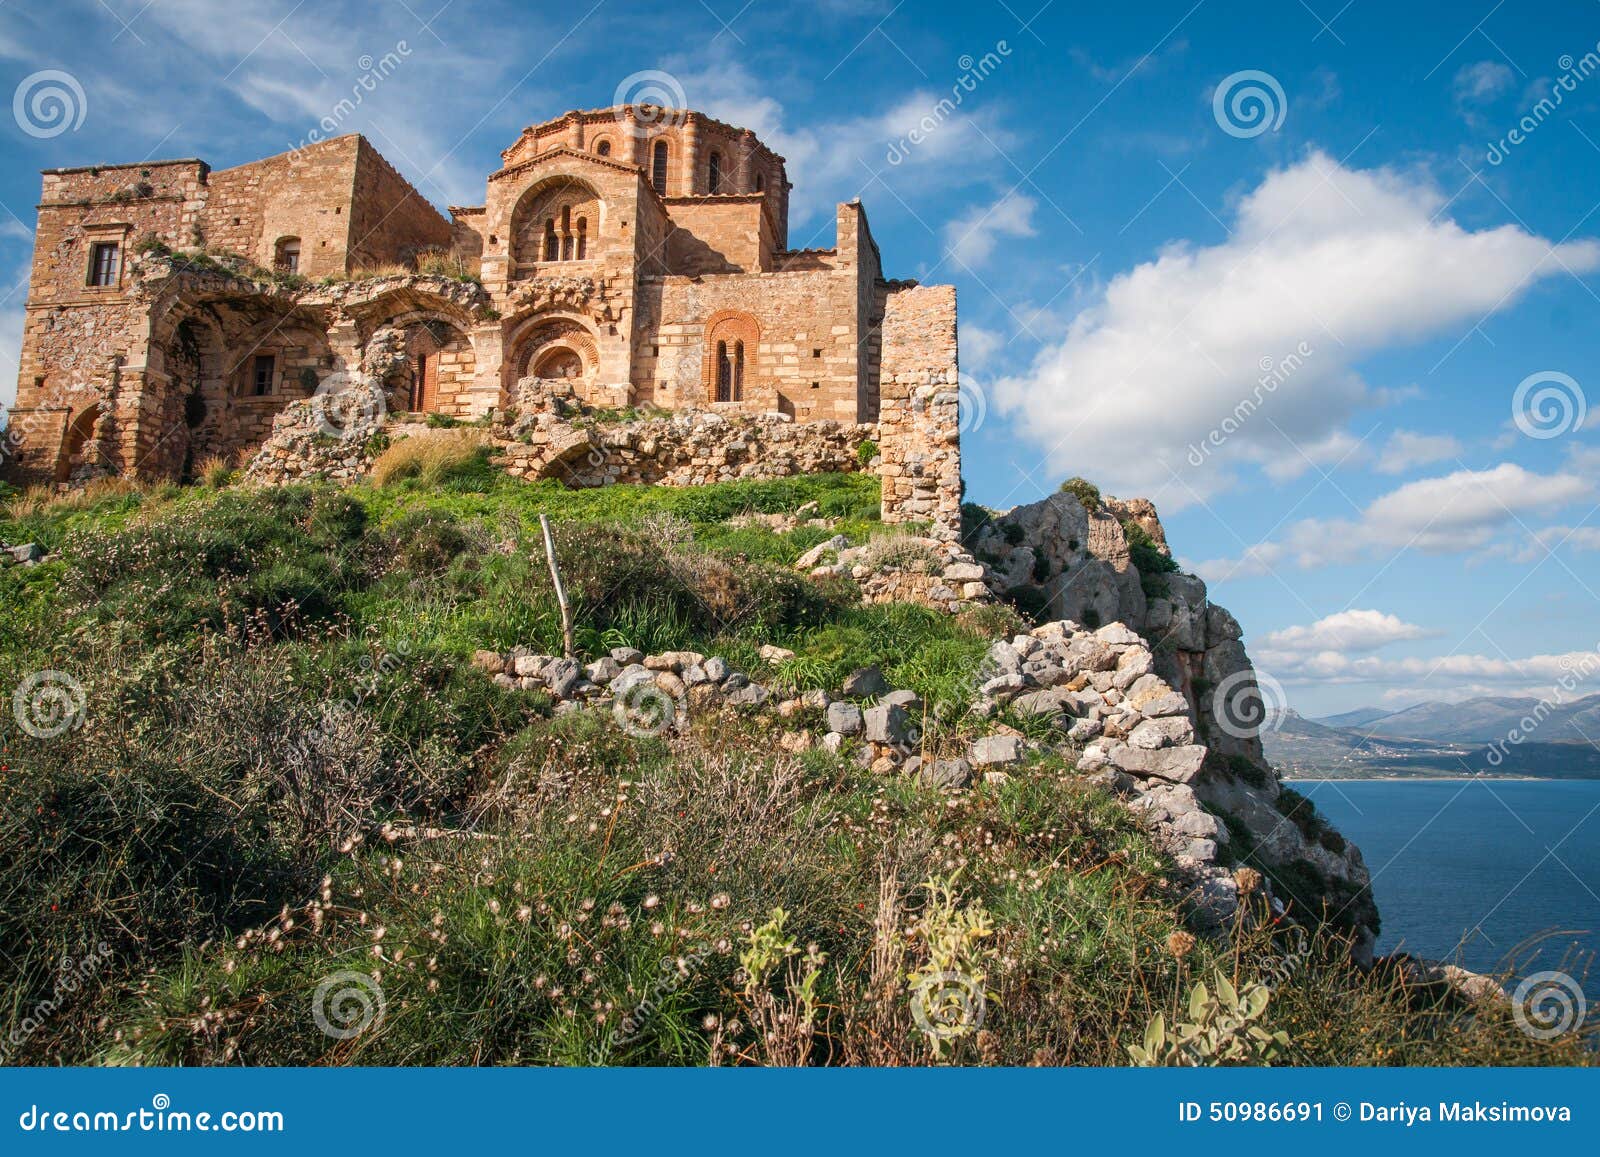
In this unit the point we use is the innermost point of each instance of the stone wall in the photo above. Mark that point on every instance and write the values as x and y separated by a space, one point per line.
919 419
1062 561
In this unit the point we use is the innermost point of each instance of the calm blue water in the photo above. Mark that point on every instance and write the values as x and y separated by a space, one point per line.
1471 870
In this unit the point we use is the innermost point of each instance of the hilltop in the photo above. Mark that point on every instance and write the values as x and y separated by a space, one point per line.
305 775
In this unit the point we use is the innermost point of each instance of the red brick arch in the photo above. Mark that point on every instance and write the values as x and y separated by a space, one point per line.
730 326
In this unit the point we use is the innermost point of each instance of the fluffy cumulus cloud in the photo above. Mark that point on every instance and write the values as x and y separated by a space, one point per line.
1406 450
915 142
1454 513
1353 630
970 239
1211 358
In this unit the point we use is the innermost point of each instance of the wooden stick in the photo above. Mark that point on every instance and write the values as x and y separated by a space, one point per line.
561 591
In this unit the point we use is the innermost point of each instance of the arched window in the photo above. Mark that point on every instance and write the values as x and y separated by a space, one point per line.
603 149
552 247
566 233
286 255
658 168
583 240
731 336
760 183
714 173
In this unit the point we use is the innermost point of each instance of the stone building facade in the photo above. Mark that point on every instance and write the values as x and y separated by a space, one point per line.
637 253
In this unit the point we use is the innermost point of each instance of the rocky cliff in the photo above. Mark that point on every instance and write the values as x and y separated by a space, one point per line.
1090 560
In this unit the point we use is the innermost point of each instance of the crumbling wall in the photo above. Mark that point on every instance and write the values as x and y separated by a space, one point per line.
919 420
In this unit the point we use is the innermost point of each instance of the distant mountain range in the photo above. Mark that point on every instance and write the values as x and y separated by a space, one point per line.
1442 739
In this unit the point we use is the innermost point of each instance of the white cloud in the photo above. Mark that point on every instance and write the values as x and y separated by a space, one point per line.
1415 673
978 345
1196 354
831 161
1405 450
1480 83
1452 514
1347 631
972 237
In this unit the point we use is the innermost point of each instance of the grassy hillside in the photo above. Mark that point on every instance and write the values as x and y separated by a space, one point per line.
281 788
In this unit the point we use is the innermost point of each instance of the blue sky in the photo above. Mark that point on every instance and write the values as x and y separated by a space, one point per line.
1280 267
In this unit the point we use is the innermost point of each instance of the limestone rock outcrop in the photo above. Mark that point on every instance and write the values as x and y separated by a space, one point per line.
1065 561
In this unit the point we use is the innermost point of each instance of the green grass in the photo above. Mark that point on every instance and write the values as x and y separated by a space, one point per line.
287 767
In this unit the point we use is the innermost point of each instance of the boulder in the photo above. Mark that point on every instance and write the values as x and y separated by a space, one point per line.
864 683
844 718
603 670
996 750
888 723
630 677
716 669
1176 764
946 774
491 661
750 695
627 656
1169 731
561 676
774 654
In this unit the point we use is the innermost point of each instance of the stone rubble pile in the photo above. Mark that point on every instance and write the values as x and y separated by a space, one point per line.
903 568
1128 729
689 448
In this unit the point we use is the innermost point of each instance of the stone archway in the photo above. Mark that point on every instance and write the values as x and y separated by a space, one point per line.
559 348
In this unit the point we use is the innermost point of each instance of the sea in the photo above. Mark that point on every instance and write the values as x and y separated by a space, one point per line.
1489 874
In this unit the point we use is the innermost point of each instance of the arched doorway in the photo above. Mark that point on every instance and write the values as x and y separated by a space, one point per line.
79 431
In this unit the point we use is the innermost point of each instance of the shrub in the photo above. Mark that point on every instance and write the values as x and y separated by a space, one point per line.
1142 550
866 452
1084 491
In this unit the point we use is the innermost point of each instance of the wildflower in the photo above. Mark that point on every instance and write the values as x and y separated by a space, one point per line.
721 900
1180 944
710 1022
1248 879
524 913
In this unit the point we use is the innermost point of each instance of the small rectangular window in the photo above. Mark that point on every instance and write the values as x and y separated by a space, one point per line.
104 263
816 353
262 376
